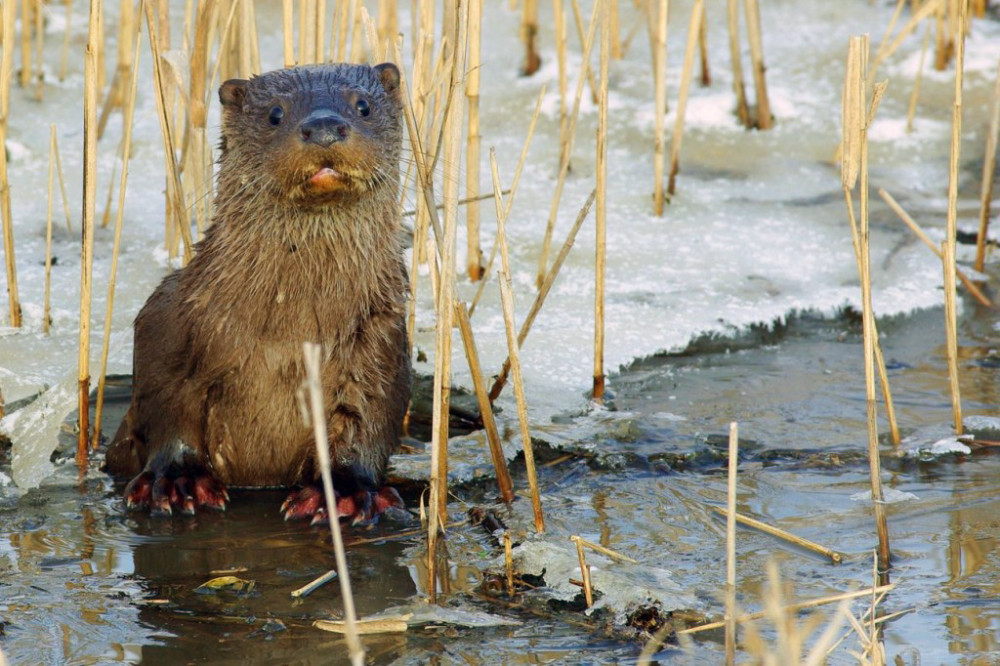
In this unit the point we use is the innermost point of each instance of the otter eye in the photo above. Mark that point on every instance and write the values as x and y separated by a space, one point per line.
275 116
362 107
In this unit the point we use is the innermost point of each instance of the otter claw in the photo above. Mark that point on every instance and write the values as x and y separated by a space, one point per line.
186 491
361 508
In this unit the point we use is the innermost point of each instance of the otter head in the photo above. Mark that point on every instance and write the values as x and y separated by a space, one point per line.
313 135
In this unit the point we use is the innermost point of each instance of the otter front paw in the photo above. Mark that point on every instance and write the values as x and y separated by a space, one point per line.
176 479
361 508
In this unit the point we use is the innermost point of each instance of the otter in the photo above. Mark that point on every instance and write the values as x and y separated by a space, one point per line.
305 245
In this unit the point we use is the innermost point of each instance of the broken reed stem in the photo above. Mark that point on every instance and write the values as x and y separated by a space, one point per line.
47 308
602 205
475 253
739 88
64 54
26 23
834 556
511 192
989 165
566 139
504 482
312 354
62 186
950 310
764 118
507 303
706 76
175 191
6 215
461 202
529 35
588 591
508 559
697 16
973 290
90 94
926 9
559 19
40 51
660 102
854 163
129 106
507 300
550 278
792 608
911 111
951 330
731 545
860 52
314 585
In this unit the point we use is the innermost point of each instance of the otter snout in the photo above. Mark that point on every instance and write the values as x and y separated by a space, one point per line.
323 128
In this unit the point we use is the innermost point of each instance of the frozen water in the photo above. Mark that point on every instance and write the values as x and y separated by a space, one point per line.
756 231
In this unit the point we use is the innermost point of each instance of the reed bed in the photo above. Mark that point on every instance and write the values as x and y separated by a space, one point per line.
442 115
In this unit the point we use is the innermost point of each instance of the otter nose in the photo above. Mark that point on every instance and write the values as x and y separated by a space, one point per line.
323 128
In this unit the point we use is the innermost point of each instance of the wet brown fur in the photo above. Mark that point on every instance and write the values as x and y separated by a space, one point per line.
218 346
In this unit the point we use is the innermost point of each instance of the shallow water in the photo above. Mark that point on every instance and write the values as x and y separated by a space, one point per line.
755 238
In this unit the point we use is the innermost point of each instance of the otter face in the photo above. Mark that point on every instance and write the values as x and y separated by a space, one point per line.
316 134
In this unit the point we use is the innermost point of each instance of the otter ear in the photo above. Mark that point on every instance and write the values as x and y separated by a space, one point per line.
389 76
233 92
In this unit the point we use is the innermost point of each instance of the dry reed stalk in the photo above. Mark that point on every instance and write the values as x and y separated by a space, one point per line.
588 591
834 556
452 133
660 101
357 45
951 324
911 110
731 545
116 92
64 54
312 354
314 585
529 33
504 482
288 45
883 374
602 206
888 32
319 20
559 19
989 165
388 21
858 66
951 331
925 10
90 93
739 88
177 215
613 554
511 192
764 118
6 215
461 202
46 310
62 188
973 290
793 608
129 106
26 23
306 54
706 76
475 253
543 291
507 302
393 624
39 51
697 16
578 22
508 560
